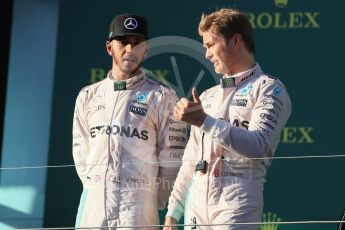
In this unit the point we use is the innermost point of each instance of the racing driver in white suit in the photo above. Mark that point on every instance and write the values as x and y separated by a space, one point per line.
235 131
126 142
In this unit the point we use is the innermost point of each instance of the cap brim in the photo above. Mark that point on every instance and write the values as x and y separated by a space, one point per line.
128 34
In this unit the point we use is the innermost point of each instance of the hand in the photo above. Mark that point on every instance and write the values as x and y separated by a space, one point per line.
190 112
170 221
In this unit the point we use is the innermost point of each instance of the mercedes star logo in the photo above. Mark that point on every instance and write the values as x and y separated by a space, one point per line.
131 23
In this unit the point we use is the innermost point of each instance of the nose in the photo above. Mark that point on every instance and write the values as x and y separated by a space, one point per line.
208 54
129 47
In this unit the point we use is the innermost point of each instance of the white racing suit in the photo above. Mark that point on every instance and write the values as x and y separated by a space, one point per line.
127 150
243 122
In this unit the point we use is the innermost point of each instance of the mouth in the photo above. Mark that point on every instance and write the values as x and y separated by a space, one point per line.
215 62
130 59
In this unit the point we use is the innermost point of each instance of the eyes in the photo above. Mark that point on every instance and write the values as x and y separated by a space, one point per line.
209 45
126 41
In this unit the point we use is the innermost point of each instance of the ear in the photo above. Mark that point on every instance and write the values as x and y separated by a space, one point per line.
109 48
237 39
146 49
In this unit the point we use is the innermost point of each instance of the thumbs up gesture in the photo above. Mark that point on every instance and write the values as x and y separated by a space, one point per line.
190 112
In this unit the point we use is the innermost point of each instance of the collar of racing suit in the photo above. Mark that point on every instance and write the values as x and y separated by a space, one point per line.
233 80
127 84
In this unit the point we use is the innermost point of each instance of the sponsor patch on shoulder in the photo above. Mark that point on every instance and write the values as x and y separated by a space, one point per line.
277 90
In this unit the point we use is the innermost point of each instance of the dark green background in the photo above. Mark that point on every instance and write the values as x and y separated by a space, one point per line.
308 60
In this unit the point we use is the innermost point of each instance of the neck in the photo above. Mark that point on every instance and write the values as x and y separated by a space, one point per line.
118 74
246 62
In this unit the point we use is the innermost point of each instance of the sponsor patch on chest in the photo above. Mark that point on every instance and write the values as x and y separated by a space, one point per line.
138 110
239 102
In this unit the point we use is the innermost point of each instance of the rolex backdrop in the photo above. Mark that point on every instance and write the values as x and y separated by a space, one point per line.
300 42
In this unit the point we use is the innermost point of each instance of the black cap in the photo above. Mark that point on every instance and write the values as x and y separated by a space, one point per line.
128 24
